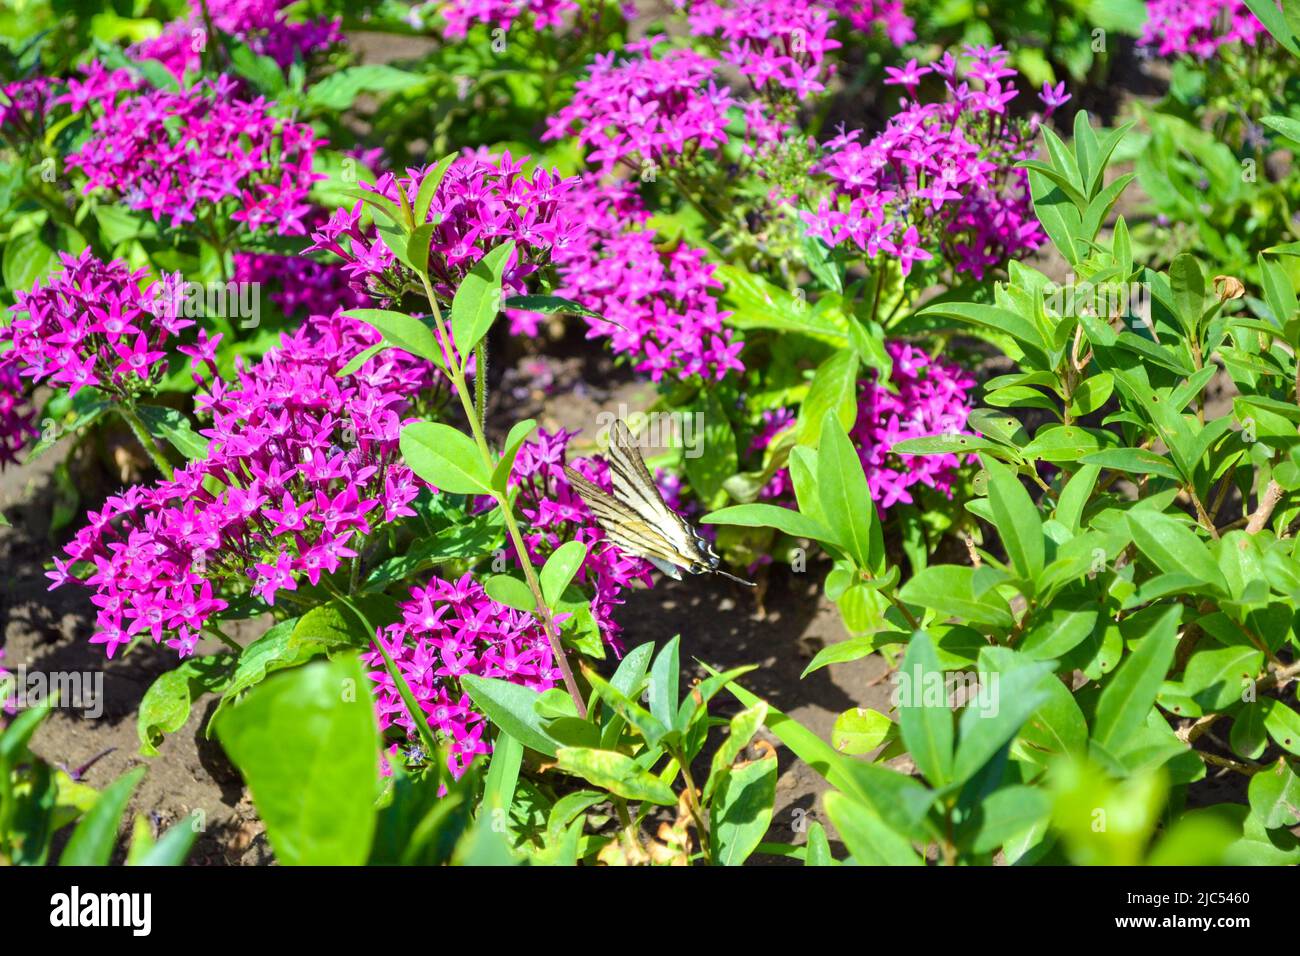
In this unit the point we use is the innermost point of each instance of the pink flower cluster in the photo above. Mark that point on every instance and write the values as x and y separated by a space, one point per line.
24 104
779 42
261 24
660 305
888 14
450 629
940 179
183 153
482 201
95 324
17 414
302 466
929 397
539 14
646 107
1198 27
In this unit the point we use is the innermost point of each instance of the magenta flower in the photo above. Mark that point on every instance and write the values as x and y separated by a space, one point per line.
781 42
940 181
925 397
540 15
1198 27
661 306
261 24
17 414
482 201
646 107
195 154
298 458
92 325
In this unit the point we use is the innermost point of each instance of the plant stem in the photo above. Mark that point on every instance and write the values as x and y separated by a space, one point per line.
146 441
692 801
456 371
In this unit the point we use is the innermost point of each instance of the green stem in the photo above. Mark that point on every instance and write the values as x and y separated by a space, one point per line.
403 688
146 441
456 371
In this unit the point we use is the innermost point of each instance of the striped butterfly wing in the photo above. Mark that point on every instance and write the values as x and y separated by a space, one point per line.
634 487
626 528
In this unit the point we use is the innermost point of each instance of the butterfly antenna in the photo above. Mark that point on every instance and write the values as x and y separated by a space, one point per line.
748 584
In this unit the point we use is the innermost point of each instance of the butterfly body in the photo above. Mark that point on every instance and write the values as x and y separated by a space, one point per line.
636 518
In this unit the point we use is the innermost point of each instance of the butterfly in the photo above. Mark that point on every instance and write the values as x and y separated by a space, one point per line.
636 519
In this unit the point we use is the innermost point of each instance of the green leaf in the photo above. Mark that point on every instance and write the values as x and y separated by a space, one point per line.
401 331
871 841
26 259
550 305
1275 795
478 300
519 433
446 458
172 847
510 591
337 91
1283 725
92 842
1006 813
1016 519
946 444
619 774
512 707
713 459
1138 461
560 568
173 427
165 707
306 743
860 730
1173 547
1187 283
996 319
924 716
834 389
950 589
1130 693
472 539
1003 703
664 677
770 516
845 498
741 811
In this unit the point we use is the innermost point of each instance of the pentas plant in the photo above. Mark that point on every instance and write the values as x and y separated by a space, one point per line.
1198 27
104 328
922 397
651 107
1210 169
659 308
262 25
453 629
200 155
771 42
17 413
466 205
460 15
1133 540
940 181
301 467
